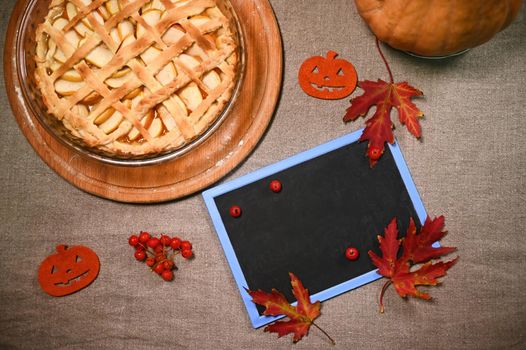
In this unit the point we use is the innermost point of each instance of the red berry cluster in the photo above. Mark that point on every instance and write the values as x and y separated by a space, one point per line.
159 253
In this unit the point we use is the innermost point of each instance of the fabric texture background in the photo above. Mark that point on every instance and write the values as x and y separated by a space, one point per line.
469 166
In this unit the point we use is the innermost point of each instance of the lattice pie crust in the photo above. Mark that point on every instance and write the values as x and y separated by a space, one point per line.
136 77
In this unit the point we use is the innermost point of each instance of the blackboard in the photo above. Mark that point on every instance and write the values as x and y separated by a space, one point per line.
330 199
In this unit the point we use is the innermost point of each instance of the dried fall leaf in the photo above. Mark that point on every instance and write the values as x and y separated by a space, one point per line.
379 128
417 248
385 96
301 316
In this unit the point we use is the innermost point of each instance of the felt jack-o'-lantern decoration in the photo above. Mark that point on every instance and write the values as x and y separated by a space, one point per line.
327 78
68 271
437 28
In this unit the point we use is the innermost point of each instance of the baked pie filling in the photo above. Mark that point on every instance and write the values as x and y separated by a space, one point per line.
135 77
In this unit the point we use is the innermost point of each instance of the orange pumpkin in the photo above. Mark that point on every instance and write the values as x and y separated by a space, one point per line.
437 28
327 78
68 271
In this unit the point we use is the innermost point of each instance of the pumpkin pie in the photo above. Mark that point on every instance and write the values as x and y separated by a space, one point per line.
137 77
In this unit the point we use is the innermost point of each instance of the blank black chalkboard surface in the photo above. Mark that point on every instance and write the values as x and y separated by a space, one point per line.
330 199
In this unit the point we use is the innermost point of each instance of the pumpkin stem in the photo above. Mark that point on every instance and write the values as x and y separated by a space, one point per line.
385 61
331 55
61 248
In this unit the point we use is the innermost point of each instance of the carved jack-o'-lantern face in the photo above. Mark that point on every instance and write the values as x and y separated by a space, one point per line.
68 271
327 78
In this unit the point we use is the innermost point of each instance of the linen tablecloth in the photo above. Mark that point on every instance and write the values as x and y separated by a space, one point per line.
470 166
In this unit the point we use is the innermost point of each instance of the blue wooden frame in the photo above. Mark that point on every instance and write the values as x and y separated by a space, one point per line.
209 195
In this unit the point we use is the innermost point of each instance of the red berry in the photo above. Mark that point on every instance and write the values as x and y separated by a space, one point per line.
186 253
140 255
169 265
165 240
374 152
235 211
150 261
175 243
159 268
133 240
160 257
153 242
352 254
275 186
167 275
186 245
158 249
144 237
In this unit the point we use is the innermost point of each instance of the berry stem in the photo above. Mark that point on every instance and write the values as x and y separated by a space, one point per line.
326 334
384 288
146 250
385 61
158 263
161 262
175 252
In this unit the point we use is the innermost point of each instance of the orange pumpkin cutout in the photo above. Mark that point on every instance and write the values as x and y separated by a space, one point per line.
68 271
327 78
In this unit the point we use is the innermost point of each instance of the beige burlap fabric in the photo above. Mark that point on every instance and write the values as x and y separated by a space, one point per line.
470 166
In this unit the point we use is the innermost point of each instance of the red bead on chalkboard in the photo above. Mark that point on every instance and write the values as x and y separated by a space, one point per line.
352 253
235 211
374 152
275 186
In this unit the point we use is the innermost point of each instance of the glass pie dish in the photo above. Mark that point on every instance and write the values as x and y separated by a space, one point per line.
35 14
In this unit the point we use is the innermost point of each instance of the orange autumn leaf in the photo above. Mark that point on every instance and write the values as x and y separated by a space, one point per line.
417 249
301 316
385 96
379 128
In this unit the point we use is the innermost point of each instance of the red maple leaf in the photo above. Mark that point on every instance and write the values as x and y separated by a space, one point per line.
417 249
385 96
301 316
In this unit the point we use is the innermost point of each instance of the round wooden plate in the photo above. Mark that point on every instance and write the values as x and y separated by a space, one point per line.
204 165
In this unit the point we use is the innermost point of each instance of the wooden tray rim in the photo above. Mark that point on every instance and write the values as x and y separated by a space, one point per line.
152 194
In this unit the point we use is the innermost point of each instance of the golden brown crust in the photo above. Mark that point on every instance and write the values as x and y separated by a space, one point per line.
136 77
